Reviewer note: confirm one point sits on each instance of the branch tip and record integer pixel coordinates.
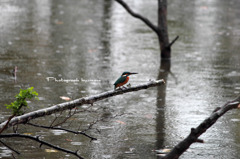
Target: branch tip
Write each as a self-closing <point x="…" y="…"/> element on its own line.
<point x="174" y="40"/>
<point x="200" y="141"/>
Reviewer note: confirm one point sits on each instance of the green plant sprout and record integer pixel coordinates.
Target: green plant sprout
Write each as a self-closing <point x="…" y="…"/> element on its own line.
<point x="20" y="101"/>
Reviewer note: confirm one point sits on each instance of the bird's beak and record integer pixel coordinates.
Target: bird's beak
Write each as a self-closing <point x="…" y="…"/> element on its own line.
<point x="133" y="73"/>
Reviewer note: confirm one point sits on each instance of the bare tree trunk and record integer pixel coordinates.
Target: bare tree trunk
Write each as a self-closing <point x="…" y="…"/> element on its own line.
<point x="163" y="30"/>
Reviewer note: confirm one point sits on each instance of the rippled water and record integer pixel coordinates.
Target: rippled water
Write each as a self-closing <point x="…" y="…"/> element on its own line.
<point x="97" y="40"/>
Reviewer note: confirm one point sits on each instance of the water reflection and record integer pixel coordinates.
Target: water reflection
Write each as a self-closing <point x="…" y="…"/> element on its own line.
<point x="161" y="103"/>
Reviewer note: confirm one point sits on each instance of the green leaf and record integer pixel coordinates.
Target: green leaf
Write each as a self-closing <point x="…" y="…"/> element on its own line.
<point x="20" y="101"/>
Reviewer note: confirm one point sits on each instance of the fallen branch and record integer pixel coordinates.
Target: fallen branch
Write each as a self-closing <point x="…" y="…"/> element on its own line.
<point x="40" y="141"/>
<point x="136" y="15"/>
<point x="77" y="102"/>
<point x="179" y="149"/>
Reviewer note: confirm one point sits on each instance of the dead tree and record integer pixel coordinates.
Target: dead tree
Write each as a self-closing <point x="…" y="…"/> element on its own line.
<point x="161" y="29"/>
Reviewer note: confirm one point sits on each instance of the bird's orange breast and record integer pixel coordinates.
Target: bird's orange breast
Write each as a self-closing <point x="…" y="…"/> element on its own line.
<point x="121" y="84"/>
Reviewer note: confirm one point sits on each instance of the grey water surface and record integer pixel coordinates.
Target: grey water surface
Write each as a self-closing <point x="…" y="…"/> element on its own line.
<point x="93" y="42"/>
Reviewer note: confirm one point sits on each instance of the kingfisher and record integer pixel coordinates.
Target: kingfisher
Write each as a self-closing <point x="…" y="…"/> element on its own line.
<point x="123" y="79"/>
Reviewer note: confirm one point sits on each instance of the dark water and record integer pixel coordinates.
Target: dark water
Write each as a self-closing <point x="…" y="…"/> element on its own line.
<point x="95" y="41"/>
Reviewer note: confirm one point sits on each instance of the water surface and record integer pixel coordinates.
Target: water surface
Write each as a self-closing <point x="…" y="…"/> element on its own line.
<point x="97" y="40"/>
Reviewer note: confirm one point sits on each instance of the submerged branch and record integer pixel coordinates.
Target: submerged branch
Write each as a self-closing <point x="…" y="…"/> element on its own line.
<point x="40" y="141"/>
<point x="77" y="102"/>
<point x="136" y="15"/>
<point x="179" y="149"/>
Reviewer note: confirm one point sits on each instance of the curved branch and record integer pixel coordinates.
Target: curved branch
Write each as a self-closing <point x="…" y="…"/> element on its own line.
<point x="136" y="15"/>
<point x="41" y="142"/>
<point x="77" y="102"/>
<point x="179" y="149"/>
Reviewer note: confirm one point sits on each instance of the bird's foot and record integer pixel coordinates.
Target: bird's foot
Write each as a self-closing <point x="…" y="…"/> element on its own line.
<point x="129" y="85"/>
<point x="124" y="87"/>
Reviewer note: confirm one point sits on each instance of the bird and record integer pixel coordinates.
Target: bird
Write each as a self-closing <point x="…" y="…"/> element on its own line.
<point x="123" y="79"/>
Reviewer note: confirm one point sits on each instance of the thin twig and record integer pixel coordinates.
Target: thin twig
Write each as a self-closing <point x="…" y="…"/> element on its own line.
<point x="75" y="111"/>
<point x="56" y="117"/>
<point x="67" y="130"/>
<point x="101" y="119"/>
<point x="70" y="114"/>
<point x="40" y="141"/>
<point x="15" y="128"/>
<point x="13" y="156"/>
<point x="10" y="148"/>
<point x="60" y="123"/>
<point x="6" y="125"/>
<point x="174" y="40"/>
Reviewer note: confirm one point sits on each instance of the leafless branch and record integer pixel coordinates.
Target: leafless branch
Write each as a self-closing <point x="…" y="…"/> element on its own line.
<point x="10" y="148"/>
<point x="39" y="141"/>
<point x="101" y="119"/>
<point x="174" y="40"/>
<point x="56" y="117"/>
<point x="67" y="130"/>
<point x="179" y="149"/>
<point x="136" y="15"/>
<point x="6" y="125"/>
<point x="13" y="156"/>
<point x="70" y="114"/>
<point x="78" y="102"/>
